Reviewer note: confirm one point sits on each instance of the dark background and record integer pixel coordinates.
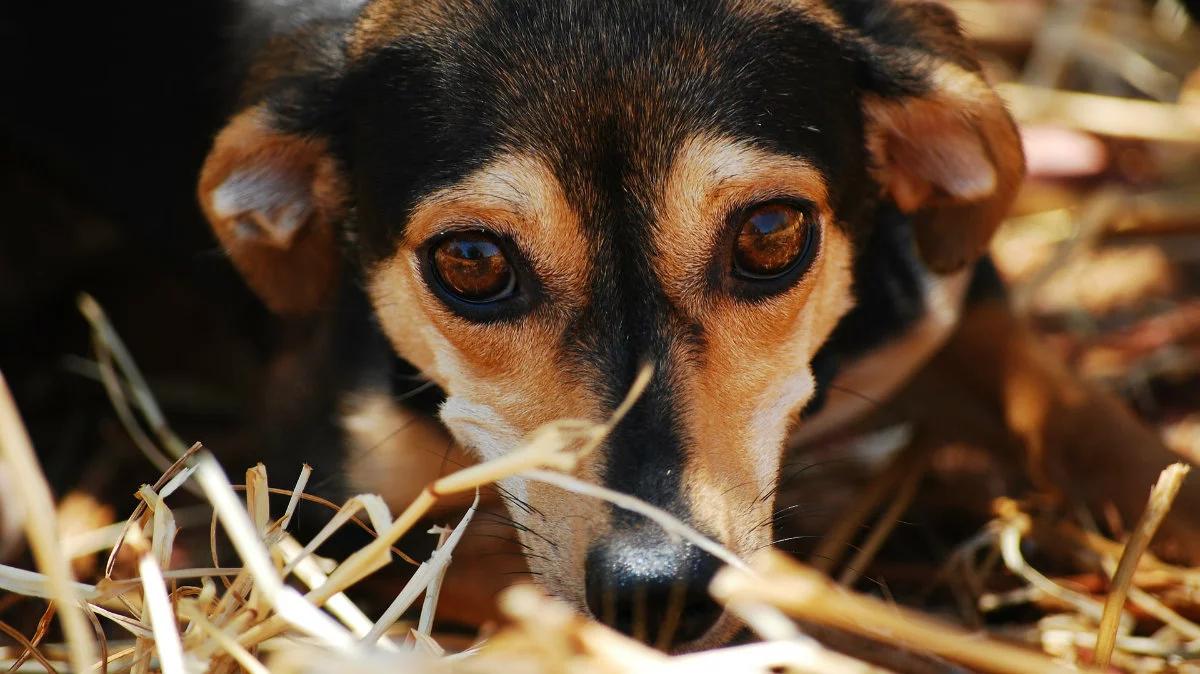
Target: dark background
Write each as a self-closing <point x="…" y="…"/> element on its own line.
<point x="108" y="110"/>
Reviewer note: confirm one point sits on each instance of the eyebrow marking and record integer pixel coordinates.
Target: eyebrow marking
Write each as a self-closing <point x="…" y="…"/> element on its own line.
<point x="710" y="176"/>
<point x="517" y="195"/>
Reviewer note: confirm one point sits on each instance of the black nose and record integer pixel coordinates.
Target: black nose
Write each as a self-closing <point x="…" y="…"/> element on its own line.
<point x="651" y="588"/>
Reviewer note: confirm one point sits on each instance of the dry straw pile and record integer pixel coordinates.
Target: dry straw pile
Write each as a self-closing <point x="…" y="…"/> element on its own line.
<point x="283" y="609"/>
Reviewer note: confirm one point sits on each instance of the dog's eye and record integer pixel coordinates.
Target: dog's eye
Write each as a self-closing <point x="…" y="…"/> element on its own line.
<point x="771" y="241"/>
<point x="473" y="267"/>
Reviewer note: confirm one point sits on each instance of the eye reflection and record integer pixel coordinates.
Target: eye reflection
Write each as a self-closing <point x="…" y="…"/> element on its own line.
<point x="474" y="268"/>
<point x="771" y="241"/>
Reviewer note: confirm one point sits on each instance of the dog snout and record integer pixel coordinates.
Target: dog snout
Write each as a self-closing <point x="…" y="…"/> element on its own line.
<point x="652" y="588"/>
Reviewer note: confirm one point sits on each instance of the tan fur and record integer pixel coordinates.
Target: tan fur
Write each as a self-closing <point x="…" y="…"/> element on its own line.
<point x="814" y="10"/>
<point x="1074" y="438"/>
<point x="753" y="374"/>
<point x="294" y="270"/>
<point x="384" y="21"/>
<point x="504" y="380"/>
<point x="517" y="197"/>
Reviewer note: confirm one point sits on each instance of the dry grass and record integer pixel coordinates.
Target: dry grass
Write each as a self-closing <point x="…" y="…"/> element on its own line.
<point x="285" y="610"/>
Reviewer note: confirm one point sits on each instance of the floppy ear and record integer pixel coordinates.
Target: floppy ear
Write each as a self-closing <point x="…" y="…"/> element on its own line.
<point x="271" y="188"/>
<point x="943" y="147"/>
<point x="274" y="200"/>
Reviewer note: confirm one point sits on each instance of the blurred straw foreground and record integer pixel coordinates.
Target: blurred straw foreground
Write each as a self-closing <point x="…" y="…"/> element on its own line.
<point x="1103" y="253"/>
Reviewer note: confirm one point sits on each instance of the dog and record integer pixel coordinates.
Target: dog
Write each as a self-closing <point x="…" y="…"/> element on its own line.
<point x="527" y="202"/>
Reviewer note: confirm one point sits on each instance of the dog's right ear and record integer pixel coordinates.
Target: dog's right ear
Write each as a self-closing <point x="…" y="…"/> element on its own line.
<point x="942" y="145"/>
<point x="271" y="188"/>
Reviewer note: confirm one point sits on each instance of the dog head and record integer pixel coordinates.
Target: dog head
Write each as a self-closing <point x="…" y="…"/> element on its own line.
<point x="541" y="197"/>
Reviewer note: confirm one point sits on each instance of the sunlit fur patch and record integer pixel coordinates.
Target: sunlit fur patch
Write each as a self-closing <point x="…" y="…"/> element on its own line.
<point x="744" y="385"/>
<point x="384" y="21"/>
<point x="953" y="153"/>
<point x="503" y="380"/>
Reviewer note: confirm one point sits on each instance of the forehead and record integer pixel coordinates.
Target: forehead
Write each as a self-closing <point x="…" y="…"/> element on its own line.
<point x="604" y="93"/>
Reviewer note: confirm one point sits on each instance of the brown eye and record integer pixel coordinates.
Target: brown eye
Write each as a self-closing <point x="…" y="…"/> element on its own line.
<point x="771" y="241"/>
<point x="473" y="267"/>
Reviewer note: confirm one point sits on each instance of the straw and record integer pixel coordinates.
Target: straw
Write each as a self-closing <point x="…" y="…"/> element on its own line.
<point x="41" y="529"/>
<point x="1161" y="497"/>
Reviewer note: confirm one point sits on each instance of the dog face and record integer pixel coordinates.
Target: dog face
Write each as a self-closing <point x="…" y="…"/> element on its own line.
<point x="540" y="198"/>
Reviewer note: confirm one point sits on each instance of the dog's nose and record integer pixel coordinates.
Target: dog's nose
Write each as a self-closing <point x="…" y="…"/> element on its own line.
<point x="652" y="588"/>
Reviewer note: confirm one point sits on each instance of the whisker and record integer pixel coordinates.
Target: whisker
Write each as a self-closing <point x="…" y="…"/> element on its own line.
<point x="446" y="458"/>
<point x="856" y="394"/>
<point x="513" y="553"/>
<point x="501" y="517"/>
<point x="785" y="478"/>
<point x="509" y="497"/>
<point x="673" y="615"/>
<point x="737" y="486"/>
<point x="418" y="390"/>
<point x="783" y="514"/>
<point x="504" y="521"/>
<point x="324" y="482"/>
<point x="789" y="539"/>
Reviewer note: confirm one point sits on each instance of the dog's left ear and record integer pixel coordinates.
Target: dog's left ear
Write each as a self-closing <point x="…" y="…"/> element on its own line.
<point x="271" y="187"/>
<point x="274" y="199"/>
<point x="943" y="147"/>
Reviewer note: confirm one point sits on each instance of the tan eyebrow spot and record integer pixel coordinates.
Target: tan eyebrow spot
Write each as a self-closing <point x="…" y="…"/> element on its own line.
<point x="711" y="176"/>
<point x="517" y="196"/>
<point x="743" y="384"/>
<point x="514" y="368"/>
<point x="384" y="21"/>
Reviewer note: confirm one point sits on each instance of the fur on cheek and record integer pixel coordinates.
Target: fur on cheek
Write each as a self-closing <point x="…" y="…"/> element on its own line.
<point x="479" y="428"/>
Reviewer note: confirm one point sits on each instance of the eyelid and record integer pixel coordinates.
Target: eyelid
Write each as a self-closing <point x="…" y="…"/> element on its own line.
<point x="436" y="217"/>
<point x="736" y="215"/>
<point x="721" y="265"/>
<point x="802" y="204"/>
<point x="528" y="288"/>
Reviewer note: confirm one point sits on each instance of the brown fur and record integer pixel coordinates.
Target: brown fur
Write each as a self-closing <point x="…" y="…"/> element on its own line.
<point x="384" y="21"/>
<point x="1075" y="440"/>
<point x="750" y="350"/>
<point x="954" y="159"/>
<point x="509" y="377"/>
<point x="295" y="271"/>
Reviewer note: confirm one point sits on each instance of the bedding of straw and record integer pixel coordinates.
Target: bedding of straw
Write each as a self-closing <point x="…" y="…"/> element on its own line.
<point x="285" y="610"/>
<point x="1102" y="253"/>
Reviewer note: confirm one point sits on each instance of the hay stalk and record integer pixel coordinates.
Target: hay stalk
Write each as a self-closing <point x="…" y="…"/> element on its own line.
<point x="41" y="529"/>
<point x="1161" y="497"/>
<point x="803" y="592"/>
